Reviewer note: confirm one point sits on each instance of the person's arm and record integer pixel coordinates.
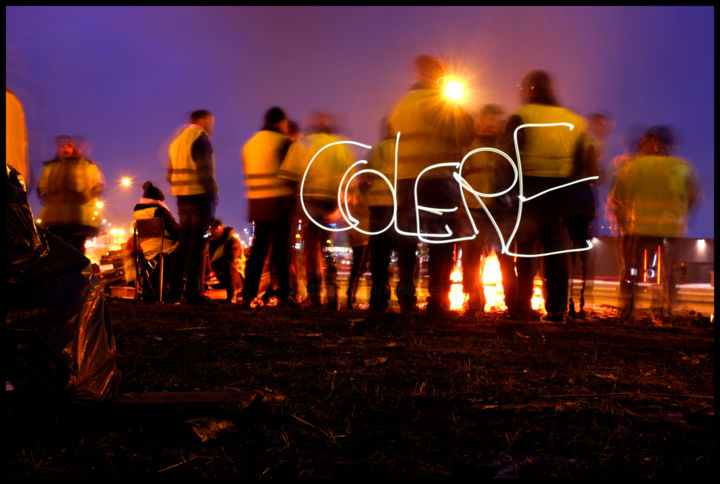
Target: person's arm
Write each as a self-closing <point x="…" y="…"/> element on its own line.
<point x="171" y="225"/>
<point x="201" y="152"/>
<point x="508" y="144"/>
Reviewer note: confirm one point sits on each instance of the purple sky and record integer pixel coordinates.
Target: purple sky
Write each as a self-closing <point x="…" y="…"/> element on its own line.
<point x="126" y="77"/>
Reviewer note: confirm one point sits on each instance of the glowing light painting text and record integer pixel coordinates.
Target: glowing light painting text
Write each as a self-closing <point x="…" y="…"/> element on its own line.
<point x="463" y="186"/>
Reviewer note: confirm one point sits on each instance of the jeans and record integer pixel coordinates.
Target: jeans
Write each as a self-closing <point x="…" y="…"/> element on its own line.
<point x="194" y="215"/>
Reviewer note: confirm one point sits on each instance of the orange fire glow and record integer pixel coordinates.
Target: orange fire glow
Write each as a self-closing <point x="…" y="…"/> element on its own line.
<point x="492" y="285"/>
<point x="457" y="296"/>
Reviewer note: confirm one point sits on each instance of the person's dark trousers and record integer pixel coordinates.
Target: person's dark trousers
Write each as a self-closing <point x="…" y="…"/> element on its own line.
<point x="381" y="246"/>
<point x="581" y="263"/>
<point x="194" y="215"/>
<point x="634" y="247"/>
<point x="439" y="271"/>
<point x="541" y="230"/>
<point x="74" y="235"/>
<point x="472" y="254"/>
<point x="360" y="258"/>
<point x="277" y="235"/>
<point x="314" y="239"/>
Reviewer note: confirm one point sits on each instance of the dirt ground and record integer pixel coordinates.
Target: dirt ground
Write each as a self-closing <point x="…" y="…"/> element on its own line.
<point x="309" y="393"/>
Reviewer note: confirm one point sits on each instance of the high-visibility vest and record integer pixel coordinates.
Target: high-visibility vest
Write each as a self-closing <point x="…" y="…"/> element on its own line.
<point x="261" y="158"/>
<point x="69" y="190"/>
<point x="325" y="174"/>
<point x="549" y="152"/>
<point x="382" y="159"/>
<point x="432" y="130"/>
<point x="652" y="193"/>
<point x="151" y="246"/>
<point x="183" y="173"/>
<point x="16" y="142"/>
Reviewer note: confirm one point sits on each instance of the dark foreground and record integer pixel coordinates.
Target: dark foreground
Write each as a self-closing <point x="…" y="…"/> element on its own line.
<point x="294" y="393"/>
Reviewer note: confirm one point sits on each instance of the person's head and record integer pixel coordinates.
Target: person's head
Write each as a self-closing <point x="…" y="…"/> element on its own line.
<point x="204" y="119"/>
<point x="317" y="122"/>
<point x="293" y="130"/>
<point x="599" y="125"/>
<point x="657" y="140"/>
<point x="65" y="147"/>
<point x="216" y="228"/>
<point x="490" y="121"/>
<point x="276" y="118"/>
<point x="537" y="87"/>
<point x="152" y="192"/>
<point x="429" y="69"/>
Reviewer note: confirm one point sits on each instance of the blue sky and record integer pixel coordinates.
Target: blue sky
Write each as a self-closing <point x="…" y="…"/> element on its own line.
<point x="125" y="78"/>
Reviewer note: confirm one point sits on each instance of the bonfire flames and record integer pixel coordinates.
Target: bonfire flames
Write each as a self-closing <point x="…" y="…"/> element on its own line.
<point x="493" y="288"/>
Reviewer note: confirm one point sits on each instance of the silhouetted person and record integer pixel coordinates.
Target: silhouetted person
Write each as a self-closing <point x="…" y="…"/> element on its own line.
<point x="69" y="188"/>
<point x="191" y="174"/>
<point x="652" y="197"/>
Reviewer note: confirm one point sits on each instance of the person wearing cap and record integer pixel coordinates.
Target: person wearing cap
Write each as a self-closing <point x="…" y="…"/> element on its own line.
<point x="319" y="198"/>
<point x="191" y="173"/>
<point x="271" y="203"/>
<point x="548" y="157"/>
<point x="433" y="129"/>
<point x="70" y="186"/>
<point x="651" y="199"/>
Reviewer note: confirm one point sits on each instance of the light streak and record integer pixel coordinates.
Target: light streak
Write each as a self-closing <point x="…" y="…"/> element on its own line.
<point x="463" y="186"/>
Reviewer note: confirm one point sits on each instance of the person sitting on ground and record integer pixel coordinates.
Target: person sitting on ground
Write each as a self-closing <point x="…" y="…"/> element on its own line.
<point x="227" y="258"/>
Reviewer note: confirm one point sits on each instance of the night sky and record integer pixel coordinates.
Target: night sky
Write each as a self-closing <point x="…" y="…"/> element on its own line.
<point x="125" y="78"/>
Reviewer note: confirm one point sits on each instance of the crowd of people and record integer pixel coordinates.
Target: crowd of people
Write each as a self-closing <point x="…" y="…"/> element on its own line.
<point x="422" y="140"/>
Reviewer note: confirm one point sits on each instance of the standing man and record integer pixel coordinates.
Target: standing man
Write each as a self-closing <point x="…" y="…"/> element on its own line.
<point x="271" y="204"/>
<point x="548" y="157"/>
<point x="434" y="129"/>
<point x="320" y="197"/>
<point x="69" y="188"/>
<point x="192" y="176"/>
<point x="651" y="199"/>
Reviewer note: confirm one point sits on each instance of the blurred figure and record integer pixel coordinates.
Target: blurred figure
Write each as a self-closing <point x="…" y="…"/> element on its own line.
<point x="582" y="208"/>
<point x="486" y="172"/>
<point x="271" y="206"/>
<point x="16" y="141"/>
<point x="358" y="205"/>
<point x="381" y="207"/>
<point x="227" y="258"/>
<point x="651" y="199"/>
<point x="191" y="174"/>
<point x="320" y="199"/>
<point x="434" y="129"/>
<point x="548" y="157"/>
<point x="69" y="188"/>
<point x="152" y="205"/>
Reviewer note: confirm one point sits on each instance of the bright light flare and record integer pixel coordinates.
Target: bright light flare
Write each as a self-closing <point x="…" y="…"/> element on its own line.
<point x="126" y="182"/>
<point x="454" y="90"/>
<point x="492" y="284"/>
<point x="99" y="204"/>
<point x="457" y="296"/>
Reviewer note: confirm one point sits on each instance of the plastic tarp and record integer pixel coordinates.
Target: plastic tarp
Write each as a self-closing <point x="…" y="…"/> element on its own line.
<point x="52" y="292"/>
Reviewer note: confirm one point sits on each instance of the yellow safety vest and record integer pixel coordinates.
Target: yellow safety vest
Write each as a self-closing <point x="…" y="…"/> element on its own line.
<point x="652" y="194"/>
<point x="481" y="173"/>
<point x="151" y="246"/>
<point x="550" y="151"/>
<point x="326" y="172"/>
<point x="432" y="130"/>
<point x="261" y="159"/>
<point x="382" y="159"/>
<point x="69" y="190"/>
<point x="183" y="174"/>
<point x="16" y="142"/>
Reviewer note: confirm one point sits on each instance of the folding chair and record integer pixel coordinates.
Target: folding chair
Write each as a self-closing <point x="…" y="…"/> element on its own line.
<point x="149" y="228"/>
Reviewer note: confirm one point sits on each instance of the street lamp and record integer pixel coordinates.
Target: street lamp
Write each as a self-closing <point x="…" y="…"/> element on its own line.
<point x="126" y="182"/>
